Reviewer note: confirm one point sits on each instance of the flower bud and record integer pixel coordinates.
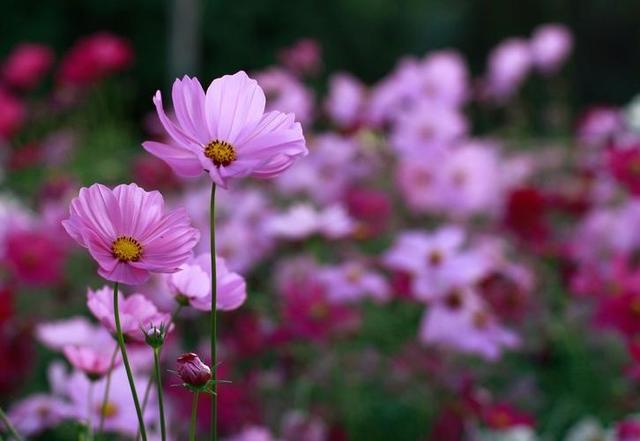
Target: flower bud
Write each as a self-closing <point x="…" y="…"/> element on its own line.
<point x="154" y="335"/>
<point x="192" y="370"/>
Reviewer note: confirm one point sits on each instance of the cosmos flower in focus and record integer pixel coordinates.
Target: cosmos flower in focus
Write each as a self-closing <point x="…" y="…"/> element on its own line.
<point x="128" y="233"/>
<point x="226" y="131"/>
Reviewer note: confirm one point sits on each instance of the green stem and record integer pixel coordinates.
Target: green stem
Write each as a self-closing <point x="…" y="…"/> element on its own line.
<point x="90" y="411"/>
<point x="7" y="424"/>
<point x="125" y="361"/>
<point x="156" y="364"/>
<point x="194" y="412"/>
<point x="147" y="390"/>
<point x="214" y="397"/>
<point x="107" y="386"/>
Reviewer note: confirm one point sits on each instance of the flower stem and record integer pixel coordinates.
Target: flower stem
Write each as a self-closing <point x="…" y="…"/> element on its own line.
<point x="90" y="411"/>
<point x="147" y="389"/>
<point x="194" y="413"/>
<point x="7" y="424"/>
<point x="107" y="386"/>
<point x="214" y="396"/>
<point x="156" y="364"/>
<point x="125" y="361"/>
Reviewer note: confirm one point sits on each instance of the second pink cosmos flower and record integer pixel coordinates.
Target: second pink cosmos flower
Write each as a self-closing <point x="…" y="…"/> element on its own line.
<point x="128" y="233"/>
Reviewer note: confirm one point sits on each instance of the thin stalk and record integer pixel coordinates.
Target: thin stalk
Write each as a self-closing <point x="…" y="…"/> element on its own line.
<point x="156" y="364"/>
<point x="107" y="386"/>
<point x="194" y="412"/>
<point x="147" y="389"/>
<point x="90" y="410"/>
<point x="214" y="396"/>
<point x="7" y="424"/>
<point x="125" y="361"/>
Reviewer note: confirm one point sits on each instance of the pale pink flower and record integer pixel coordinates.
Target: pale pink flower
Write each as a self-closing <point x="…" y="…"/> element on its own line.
<point x="92" y="362"/>
<point x="509" y="64"/>
<point x="443" y="79"/>
<point x="136" y="312"/>
<point x="253" y="433"/>
<point x="461" y="322"/>
<point x="192" y="285"/>
<point x="346" y="100"/>
<point x="128" y="233"/>
<point x="302" y="57"/>
<point x="353" y="281"/>
<point x="303" y="220"/>
<point x="39" y="412"/>
<point x="551" y="44"/>
<point x="226" y="131"/>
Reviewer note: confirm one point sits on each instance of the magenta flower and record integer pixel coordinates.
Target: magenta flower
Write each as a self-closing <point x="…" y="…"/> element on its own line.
<point x="137" y="313"/>
<point x="128" y="233"/>
<point x="226" y="131"/>
<point x="27" y="63"/>
<point x="192" y="370"/>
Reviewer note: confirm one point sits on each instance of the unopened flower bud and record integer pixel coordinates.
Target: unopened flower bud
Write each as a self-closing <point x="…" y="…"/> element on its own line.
<point x="154" y="335"/>
<point x="193" y="371"/>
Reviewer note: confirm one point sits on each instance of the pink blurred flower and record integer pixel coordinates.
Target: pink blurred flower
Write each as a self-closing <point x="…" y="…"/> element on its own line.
<point x="34" y="257"/>
<point x="95" y="57"/>
<point x="153" y="173"/>
<point x="12" y="114"/>
<point x="599" y="125"/>
<point x="128" y="233"/>
<point x="95" y="364"/>
<point x="371" y="208"/>
<point x="285" y="93"/>
<point x="427" y="129"/>
<point x="39" y="412"/>
<point x="25" y="66"/>
<point x="226" y="132"/>
<point x="75" y="331"/>
<point x="345" y="103"/>
<point x="137" y="313"/>
<point x="297" y="425"/>
<point x="460" y="322"/>
<point x="192" y="285"/>
<point x="627" y="430"/>
<point x="624" y="164"/>
<point x="352" y="281"/>
<point x="253" y="433"/>
<point x="303" y="220"/>
<point x="303" y="57"/>
<point x="551" y="44"/>
<point x="509" y="64"/>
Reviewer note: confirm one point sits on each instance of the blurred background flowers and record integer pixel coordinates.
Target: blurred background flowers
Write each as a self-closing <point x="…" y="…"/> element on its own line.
<point x="455" y="259"/>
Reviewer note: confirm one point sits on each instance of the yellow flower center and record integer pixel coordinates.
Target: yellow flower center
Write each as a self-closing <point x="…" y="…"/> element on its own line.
<point x="126" y="249"/>
<point x="221" y="153"/>
<point x="108" y="410"/>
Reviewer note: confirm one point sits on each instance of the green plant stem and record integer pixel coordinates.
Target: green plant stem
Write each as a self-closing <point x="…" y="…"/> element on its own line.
<point x="156" y="364"/>
<point x="7" y="424"/>
<point x="90" y="411"/>
<point x="214" y="397"/>
<point x="125" y="361"/>
<point x="194" y="413"/>
<point x="147" y="390"/>
<point x="107" y="386"/>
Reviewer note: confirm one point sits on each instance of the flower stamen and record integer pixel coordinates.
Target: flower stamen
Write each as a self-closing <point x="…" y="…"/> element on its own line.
<point x="221" y="153"/>
<point x="126" y="249"/>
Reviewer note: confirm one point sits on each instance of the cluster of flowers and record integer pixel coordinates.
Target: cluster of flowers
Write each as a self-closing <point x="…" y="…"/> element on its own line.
<point x="400" y="248"/>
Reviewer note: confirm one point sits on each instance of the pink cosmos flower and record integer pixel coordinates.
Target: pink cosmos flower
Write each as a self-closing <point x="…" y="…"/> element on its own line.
<point x="95" y="57"/>
<point x="352" y="281"/>
<point x="128" y="233"/>
<point x="346" y="100"/>
<point x="302" y="57"/>
<point x="303" y="220"/>
<point x="462" y="323"/>
<point x="509" y="65"/>
<point x="39" y="412"/>
<point x="136" y="312"/>
<point x="26" y="65"/>
<point x="192" y="285"/>
<point x="93" y="363"/>
<point x="551" y="45"/>
<point x="226" y="131"/>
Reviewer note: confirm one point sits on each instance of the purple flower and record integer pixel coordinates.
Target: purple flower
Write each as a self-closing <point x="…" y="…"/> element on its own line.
<point x="551" y="44"/>
<point x="192" y="370"/>
<point x="226" y="131"/>
<point x="128" y="233"/>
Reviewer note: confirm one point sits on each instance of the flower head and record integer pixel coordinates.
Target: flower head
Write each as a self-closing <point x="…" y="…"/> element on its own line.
<point x="128" y="233"/>
<point x="192" y="370"/>
<point x="226" y="131"/>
